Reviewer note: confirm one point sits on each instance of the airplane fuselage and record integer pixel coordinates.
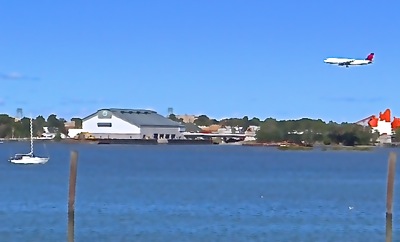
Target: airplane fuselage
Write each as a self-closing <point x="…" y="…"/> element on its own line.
<point x="350" y="62"/>
<point x="346" y="61"/>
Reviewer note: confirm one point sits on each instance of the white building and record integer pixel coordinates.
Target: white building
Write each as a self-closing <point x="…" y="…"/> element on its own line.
<point x="131" y="124"/>
<point x="187" y="118"/>
<point x="383" y="127"/>
<point x="47" y="134"/>
<point x="251" y="132"/>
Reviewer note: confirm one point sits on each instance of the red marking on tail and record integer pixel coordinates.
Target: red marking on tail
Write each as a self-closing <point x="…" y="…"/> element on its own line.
<point x="370" y="57"/>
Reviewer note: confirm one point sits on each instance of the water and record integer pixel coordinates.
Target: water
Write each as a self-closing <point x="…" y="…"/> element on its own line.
<point x="197" y="193"/>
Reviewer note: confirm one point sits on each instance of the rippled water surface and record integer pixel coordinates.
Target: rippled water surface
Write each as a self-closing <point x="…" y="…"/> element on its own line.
<point x="197" y="193"/>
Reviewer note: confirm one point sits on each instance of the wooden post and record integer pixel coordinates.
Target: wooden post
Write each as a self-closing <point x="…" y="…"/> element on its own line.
<point x="389" y="195"/>
<point x="71" y="196"/>
<point x="72" y="182"/>
<point x="71" y="227"/>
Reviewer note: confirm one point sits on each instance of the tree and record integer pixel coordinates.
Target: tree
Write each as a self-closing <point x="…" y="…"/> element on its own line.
<point x="269" y="131"/>
<point x="397" y="134"/>
<point x="38" y="125"/>
<point x="245" y="122"/>
<point x="57" y="137"/>
<point x="40" y="121"/>
<point x="6" y="127"/>
<point x="264" y="135"/>
<point x="349" y="139"/>
<point x="203" y="120"/>
<point x="5" y="119"/>
<point x="333" y="137"/>
<point x="52" y="121"/>
<point x="254" y="121"/>
<point x="326" y="141"/>
<point x="5" y="130"/>
<point x="308" y="137"/>
<point x="365" y="135"/>
<point x="174" y="118"/>
<point x="293" y="138"/>
<point x="22" y="128"/>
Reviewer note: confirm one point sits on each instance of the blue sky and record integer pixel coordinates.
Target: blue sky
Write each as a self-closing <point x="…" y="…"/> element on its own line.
<point x="219" y="58"/>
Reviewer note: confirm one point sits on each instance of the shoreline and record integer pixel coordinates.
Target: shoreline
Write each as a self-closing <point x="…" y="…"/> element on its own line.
<point x="279" y="145"/>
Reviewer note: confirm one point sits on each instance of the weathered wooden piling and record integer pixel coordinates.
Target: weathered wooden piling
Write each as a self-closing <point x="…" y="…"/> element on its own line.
<point x="389" y="195"/>
<point x="71" y="227"/>
<point x="71" y="196"/>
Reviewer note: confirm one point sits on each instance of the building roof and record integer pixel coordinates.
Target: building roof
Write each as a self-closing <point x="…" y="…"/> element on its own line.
<point x="191" y="127"/>
<point x="139" y="117"/>
<point x="364" y="122"/>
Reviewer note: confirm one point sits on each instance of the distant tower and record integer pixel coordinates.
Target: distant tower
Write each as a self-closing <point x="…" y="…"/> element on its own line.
<point x="19" y="115"/>
<point x="170" y="111"/>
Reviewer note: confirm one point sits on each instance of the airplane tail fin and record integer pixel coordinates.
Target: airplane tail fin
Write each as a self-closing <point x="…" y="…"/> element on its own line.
<point x="370" y="57"/>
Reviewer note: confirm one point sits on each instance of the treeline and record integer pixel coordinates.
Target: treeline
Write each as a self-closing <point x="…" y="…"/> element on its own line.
<point x="12" y="128"/>
<point x="204" y="120"/>
<point x="271" y="130"/>
<point x="310" y="131"/>
<point x="304" y="130"/>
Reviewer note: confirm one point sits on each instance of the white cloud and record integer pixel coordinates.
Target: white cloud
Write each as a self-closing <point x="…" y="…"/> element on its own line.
<point x="16" y="76"/>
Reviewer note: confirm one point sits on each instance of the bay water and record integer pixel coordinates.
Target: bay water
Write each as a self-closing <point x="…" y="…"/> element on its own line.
<point x="197" y="193"/>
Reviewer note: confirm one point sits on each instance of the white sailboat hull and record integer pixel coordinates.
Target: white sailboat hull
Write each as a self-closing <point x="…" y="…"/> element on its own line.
<point x="29" y="160"/>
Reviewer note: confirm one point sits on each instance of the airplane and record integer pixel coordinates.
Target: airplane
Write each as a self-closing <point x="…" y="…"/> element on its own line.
<point x="353" y="62"/>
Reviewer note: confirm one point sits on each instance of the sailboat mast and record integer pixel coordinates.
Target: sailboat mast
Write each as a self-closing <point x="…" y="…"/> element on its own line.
<point x="31" y="127"/>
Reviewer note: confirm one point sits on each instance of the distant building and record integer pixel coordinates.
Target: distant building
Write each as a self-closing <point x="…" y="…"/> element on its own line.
<point x="131" y="124"/>
<point x="50" y="133"/>
<point x="192" y="128"/>
<point x="382" y="124"/>
<point x="251" y="132"/>
<point x="210" y="129"/>
<point x="69" y="125"/>
<point x="187" y="118"/>
<point x="364" y="122"/>
<point x="384" y="139"/>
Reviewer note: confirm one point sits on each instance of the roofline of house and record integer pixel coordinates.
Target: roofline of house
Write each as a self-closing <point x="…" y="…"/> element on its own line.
<point x="132" y="110"/>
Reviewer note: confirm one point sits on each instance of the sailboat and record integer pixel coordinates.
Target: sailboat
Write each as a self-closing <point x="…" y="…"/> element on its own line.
<point x="28" y="158"/>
